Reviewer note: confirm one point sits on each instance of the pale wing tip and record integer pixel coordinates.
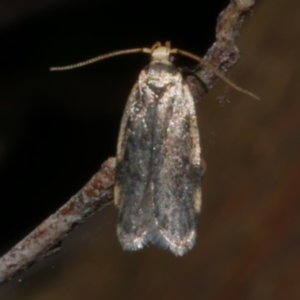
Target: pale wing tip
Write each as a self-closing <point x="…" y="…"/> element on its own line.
<point x="131" y="241"/>
<point x="178" y="246"/>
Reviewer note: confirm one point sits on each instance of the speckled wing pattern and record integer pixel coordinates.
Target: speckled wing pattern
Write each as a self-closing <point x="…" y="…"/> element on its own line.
<point x="158" y="172"/>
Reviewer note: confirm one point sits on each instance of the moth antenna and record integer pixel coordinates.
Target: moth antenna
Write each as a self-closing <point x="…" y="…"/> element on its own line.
<point x="98" y="58"/>
<point x="218" y="73"/>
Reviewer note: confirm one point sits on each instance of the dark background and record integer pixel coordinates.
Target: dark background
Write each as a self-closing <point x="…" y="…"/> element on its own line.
<point x="57" y="128"/>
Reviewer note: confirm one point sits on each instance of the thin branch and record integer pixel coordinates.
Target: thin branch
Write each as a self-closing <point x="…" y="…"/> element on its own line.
<point x="98" y="191"/>
<point x="224" y="53"/>
<point x="92" y="197"/>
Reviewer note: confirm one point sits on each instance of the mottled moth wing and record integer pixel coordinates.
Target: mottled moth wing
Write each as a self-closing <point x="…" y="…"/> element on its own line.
<point x="176" y="170"/>
<point x="158" y="169"/>
<point x="132" y="171"/>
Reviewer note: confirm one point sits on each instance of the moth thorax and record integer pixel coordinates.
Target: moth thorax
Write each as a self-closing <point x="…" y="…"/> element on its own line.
<point x="161" y="54"/>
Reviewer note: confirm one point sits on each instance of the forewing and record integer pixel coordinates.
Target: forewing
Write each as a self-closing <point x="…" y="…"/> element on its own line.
<point x="132" y="170"/>
<point x="176" y="171"/>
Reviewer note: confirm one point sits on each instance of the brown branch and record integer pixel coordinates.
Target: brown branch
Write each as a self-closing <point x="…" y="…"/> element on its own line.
<point x="98" y="191"/>
<point x="224" y="53"/>
<point x="92" y="197"/>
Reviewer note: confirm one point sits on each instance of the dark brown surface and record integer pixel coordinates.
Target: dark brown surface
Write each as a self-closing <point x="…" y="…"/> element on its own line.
<point x="249" y="232"/>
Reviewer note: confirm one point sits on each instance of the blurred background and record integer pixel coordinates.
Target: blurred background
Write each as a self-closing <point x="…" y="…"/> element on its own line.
<point x="57" y="128"/>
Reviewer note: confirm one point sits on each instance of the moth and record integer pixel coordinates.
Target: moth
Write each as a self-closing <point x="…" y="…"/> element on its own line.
<point x="158" y="165"/>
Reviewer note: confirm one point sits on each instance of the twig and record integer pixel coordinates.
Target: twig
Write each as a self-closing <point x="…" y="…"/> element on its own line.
<point x="92" y="197"/>
<point x="98" y="191"/>
<point x="224" y="53"/>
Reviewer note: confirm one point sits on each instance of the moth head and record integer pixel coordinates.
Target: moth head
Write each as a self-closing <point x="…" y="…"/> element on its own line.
<point x="161" y="54"/>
